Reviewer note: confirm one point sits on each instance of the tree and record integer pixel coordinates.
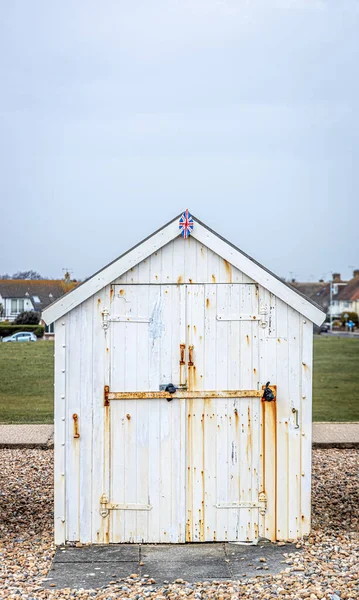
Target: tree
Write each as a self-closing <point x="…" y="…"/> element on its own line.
<point x="352" y="316"/>
<point x="28" y="317"/>
<point x="27" y="275"/>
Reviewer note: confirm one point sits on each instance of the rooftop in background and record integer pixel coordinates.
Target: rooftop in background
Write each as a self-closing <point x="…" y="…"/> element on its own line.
<point x="41" y="292"/>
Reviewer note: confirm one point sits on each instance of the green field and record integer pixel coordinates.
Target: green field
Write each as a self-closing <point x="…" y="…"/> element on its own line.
<point x="336" y="379"/>
<point x="26" y="381"/>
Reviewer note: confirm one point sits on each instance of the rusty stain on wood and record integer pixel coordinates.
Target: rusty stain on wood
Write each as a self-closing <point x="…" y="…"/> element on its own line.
<point x="213" y="278"/>
<point x="180" y="279"/>
<point x="122" y="292"/>
<point x="207" y="303"/>
<point x="112" y="291"/>
<point x="128" y="417"/>
<point x="228" y="269"/>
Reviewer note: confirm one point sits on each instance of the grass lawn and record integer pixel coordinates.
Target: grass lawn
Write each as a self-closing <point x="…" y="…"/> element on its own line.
<point x="26" y="381"/>
<point x="336" y="379"/>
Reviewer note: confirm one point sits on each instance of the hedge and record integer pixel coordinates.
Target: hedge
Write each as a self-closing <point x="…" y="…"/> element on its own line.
<point x="7" y="329"/>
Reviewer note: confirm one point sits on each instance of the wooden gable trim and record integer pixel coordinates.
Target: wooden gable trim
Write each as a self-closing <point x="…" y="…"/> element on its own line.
<point x="159" y="239"/>
<point x="258" y="273"/>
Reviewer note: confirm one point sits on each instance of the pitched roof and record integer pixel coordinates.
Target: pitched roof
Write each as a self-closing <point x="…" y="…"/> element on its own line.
<point x="41" y="288"/>
<point x="350" y="291"/>
<point x="205" y="236"/>
<point x="318" y="292"/>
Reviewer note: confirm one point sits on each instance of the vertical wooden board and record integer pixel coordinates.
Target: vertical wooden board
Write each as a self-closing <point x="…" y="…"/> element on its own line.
<point x="166" y="275"/>
<point x="234" y="436"/>
<point x="222" y="411"/>
<point x="178" y="259"/>
<point x="85" y="421"/>
<point x="212" y="267"/>
<point x="282" y="420"/>
<point x="156" y="267"/>
<point x="190" y="258"/>
<point x="60" y="431"/>
<point x="294" y="477"/>
<point x="144" y="271"/>
<point x="210" y="411"/>
<point x="73" y="385"/>
<point x="118" y="413"/>
<point x="197" y="440"/>
<point x="100" y="479"/>
<point x="177" y="526"/>
<point x="306" y="424"/>
<point x="202" y="259"/>
<point x="167" y="468"/>
<point x="142" y="415"/>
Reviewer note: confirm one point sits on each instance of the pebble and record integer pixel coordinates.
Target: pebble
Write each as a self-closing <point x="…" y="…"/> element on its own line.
<point x="327" y="567"/>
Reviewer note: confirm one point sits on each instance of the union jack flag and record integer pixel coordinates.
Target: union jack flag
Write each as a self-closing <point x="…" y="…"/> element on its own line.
<point x="186" y="224"/>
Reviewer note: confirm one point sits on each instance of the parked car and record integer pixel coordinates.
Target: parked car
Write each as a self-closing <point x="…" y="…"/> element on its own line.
<point x="324" y="328"/>
<point x="21" y="336"/>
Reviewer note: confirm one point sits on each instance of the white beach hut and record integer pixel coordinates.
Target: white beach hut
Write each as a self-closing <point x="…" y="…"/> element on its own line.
<point x="163" y="431"/>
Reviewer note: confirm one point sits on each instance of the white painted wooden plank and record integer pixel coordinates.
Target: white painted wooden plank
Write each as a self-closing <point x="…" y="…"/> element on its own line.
<point x="197" y="440"/>
<point x="210" y="447"/>
<point x="282" y="420"/>
<point x="73" y="350"/>
<point x="190" y="260"/>
<point x="100" y="301"/>
<point x="294" y="442"/>
<point x="143" y="408"/>
<point x="85" y="421"/>
<point x="222" y="466"/>
<point x="268" y="372"/>
<point x="178" y="259"/>
<point x="60" y="431"/>
<point x="306" y="424"/>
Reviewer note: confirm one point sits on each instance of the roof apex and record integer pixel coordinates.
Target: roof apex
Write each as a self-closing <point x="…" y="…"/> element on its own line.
<point x="204" y="235"/>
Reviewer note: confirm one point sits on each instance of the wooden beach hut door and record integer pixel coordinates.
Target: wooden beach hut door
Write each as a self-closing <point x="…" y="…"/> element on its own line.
<point x="187" y="469"/>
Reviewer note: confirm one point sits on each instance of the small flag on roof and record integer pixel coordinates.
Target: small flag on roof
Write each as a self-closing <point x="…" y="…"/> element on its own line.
<point x="186" y="224"/>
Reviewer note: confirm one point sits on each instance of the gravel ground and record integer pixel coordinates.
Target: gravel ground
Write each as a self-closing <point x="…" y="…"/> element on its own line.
<point x="327" y="567"/>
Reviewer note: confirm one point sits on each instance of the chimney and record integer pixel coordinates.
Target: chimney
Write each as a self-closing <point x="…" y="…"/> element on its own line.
<point x="336" y="277"/>
<point x="356" y="273"/>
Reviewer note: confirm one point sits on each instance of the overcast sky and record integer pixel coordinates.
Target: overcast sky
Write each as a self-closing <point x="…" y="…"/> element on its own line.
<point x="117" y="115"/>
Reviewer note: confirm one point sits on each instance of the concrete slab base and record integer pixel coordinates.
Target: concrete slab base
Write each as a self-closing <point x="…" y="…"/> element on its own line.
<point x="92" y="567"/>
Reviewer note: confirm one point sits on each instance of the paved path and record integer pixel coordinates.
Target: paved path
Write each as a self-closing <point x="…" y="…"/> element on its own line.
<point x="95" y="566"/>
<point x="325" y="435"/>
<point x="336" y="435"/>
<point x="26" y="436"/>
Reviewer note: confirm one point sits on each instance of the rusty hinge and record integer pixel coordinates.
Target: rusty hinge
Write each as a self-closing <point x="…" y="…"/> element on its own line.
<point x="106" y="392"/>
<point x="76" y="425"/>
<point x="106" y="506"/>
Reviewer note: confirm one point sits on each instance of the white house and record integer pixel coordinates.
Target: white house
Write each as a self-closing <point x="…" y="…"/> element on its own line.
<point x="18" y="295"/>
<point x="206" y="458"/>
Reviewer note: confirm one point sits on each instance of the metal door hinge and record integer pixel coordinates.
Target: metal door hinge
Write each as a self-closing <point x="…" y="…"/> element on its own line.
<point x="262" y="501"/>
<point x="261" y="504"/>
<point x="106" y="506"/>
<point x="105" y="319"/>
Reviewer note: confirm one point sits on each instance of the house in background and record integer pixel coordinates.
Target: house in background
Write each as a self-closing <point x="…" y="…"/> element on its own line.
<point x="344" y="297"/>
<point x="18" y="295"/>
